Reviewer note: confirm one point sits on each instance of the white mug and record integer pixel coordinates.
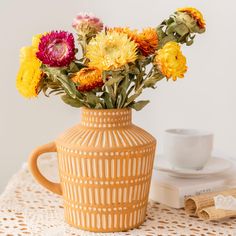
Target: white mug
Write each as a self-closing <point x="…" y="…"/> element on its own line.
<point x="187" y="148"/>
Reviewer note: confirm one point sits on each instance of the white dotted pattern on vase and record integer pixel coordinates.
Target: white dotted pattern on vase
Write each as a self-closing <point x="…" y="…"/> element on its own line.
<point x="26" y="208"/>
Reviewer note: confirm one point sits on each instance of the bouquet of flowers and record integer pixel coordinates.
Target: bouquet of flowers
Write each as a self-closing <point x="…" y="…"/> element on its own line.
<point x="115" y="64"/>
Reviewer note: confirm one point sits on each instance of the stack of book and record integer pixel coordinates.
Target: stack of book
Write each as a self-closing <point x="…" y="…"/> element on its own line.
<point x="172" y="191"/>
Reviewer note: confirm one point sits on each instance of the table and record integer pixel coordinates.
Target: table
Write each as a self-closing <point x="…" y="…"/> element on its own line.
<point x="26" y="208"/>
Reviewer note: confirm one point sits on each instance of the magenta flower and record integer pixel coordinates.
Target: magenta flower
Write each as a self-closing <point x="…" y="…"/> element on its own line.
<point x="56" y="49"/>
<point x="87" y="24"/>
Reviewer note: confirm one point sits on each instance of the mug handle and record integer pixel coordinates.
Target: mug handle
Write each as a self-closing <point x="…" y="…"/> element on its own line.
<point x="33" y="166"/>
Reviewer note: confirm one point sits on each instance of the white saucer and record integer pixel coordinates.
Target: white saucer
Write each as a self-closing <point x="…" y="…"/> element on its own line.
<point x="215" y="165"/>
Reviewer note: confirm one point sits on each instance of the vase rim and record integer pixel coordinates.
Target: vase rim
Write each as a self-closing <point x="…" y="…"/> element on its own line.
<point x="104" y="110"/>
<point x="106" y="118"/>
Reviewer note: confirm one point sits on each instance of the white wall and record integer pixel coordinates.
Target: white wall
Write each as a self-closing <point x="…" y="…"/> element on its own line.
<point x="204" y="99"/>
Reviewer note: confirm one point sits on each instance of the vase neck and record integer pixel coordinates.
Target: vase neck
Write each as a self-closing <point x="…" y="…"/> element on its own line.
<point x="106" y="118"/>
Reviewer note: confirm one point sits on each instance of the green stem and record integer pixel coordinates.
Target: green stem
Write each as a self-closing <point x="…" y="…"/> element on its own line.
<point x="149" y="73"/>
<point x="115" y="92"/>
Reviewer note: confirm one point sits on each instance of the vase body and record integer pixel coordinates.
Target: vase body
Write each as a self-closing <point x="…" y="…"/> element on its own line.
<point x="105" y="167"/>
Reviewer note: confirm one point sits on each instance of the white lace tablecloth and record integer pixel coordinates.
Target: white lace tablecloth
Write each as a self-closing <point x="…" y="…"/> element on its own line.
<point x="26" y="208"/>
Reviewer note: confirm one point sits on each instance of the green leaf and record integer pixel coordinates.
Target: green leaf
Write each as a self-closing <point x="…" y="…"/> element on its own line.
<point x="73" y="68"/>
<point x="130" y="89"/>
<point x="107" y="100"/>
<point x="181" y="29"/>
<point x="55" y="91"/>
<point x="151" y="81"/>
<point x="72" y="102"/>
<point x="125" y="83"/>
<point x="110" y="91"/>
<point x="192" y="36"/>
<point x="98" y="106"/>
<point x="167" y="39"/>
<point x="139" y="105"/>
<point x="119" y="100"/>
<point x="132" y="98"/>
<point x="45" y="88"/>
<point x="171" y="28"/>
<point x="59" y="74"/>
<point x="113" y="80"/>
<point x="92" y="99"/>
<point x="161" y="34"/>
<point x="68" y="85"/>
<point x="189" y="42"/>
<point x="122" y="92"/>
<point x="134" y="70"/>
<point x="170" y="20"/>
<point x="59" y="93"/>
<point x="79" y="65"/>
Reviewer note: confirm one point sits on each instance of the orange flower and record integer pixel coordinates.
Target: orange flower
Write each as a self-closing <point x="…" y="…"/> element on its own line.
<point x="132" y="34"/>
<point x="88" y="79"/>
<point x="195" y="14"/>
<point x="147" y="40"/>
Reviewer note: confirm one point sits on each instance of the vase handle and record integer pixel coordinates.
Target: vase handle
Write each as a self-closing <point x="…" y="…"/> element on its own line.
<point x="33" y="166"/>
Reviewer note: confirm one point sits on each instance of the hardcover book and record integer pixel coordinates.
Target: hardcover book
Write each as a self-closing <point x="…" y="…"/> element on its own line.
<point x="172" y="191"/>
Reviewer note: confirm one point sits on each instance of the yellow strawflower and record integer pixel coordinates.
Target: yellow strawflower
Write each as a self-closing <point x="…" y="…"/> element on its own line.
<point x="35" y="41"/>
<point x="28" y="78"/>
<point x="171" y="61"/>
<point x="29" y="74"/>
<point x="26" y="54"/>
<point x="111" y="50"/>
<point x="195" y="14"/>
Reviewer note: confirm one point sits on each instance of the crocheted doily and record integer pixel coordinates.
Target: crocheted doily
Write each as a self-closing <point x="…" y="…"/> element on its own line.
<point x="26" y="208"/>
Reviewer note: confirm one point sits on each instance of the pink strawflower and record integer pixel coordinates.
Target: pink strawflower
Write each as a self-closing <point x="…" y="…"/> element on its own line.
<point x="56" y="49"/>
<point x="87" y="24"/>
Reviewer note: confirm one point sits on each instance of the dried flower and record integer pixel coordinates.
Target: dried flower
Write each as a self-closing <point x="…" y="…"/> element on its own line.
<point x="35" y="42"/>
<point x="146" y="41"/>
<point x="29" y="74"/>
<point x="132" y="34"/>
<point x="195" y="14"/>
<point x="87" y="24"/>
<point x="171" y="61"/>
<point x="88" y="79"/>
<point x="56" y="49"/>
<point x="29" y="52"/>
<point x="115" y="64"/>
<point x="28" y="78"/>
<point x="111" y="50"/>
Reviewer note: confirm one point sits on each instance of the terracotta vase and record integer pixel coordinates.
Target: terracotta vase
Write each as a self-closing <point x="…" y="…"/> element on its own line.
<point x="105" y="167"/>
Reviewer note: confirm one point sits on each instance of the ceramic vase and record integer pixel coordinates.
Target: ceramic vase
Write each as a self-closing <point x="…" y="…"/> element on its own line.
<point x="105" y="167"/>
